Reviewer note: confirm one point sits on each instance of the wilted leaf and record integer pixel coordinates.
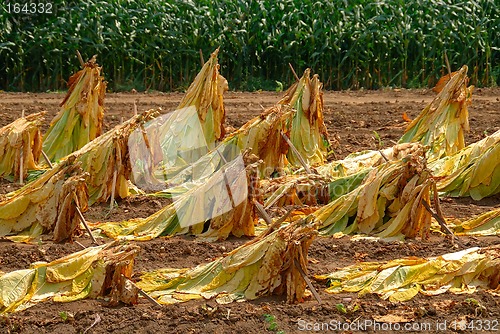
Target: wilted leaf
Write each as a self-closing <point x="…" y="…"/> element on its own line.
<point x="443" y="122"/>
<point x="81" y="116"/>
<point x="21" y="139"/>
<point x="263" y="266"/>
<point x="46" y="205"/>
<point x="401" y="279"/>
<point x="101" y="271"/>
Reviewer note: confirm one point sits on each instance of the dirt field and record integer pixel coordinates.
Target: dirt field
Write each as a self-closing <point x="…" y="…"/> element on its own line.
<point x="352" y="117"/>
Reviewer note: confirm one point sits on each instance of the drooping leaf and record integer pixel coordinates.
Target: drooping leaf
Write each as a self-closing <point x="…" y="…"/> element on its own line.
<point x="473" y="171"/>
<point x="264" y="266"/>
<point x="81" y="116"/>
<point x="101" y="271"/>
<point x="21" y="140"/>
<point x="442" y="124"/>
<point x="46" y="205"/>
<point x="386" y="204"/>
<point x="221" y="205"/>
<point x="401" y="279"/>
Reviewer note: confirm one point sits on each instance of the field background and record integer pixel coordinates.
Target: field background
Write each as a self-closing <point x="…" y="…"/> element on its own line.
<point x="351" y="117"/>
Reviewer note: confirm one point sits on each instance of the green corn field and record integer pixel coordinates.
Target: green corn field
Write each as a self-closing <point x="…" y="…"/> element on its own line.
<point x="154" y="44"/>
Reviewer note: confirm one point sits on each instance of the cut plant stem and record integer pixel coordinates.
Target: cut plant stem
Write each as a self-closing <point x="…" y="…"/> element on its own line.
<point x="297" y="153"/>
<point x="308" y="281"/>
<point x="21" y="167"/>
<point x="383" y="155"/>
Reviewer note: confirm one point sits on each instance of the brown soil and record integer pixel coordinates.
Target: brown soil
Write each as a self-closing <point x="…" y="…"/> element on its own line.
<point x="355" y="119"/>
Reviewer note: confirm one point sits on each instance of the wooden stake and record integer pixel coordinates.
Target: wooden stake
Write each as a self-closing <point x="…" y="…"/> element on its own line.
<point x="82" y="63"/>
<point x="263" y="213"/>
<point x="21" y="166"/>
<point x="142" y="293"/>
<point x="447" y="63"/>
<point x="308" y="281"/>
<point x="82" y="219"/>
<point x="47" y="159"/>
<point x="22" y="113"/>
<point x="135" y="107"/>
<point x="437" y="205"/>
<point x="113" y="190"/>
<point x="297" y="153"/>
<point x="442" y="222"/>
<point x="293" y="71"/>
<point x="201" y="58"/>
<point x="383" y="155"/>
